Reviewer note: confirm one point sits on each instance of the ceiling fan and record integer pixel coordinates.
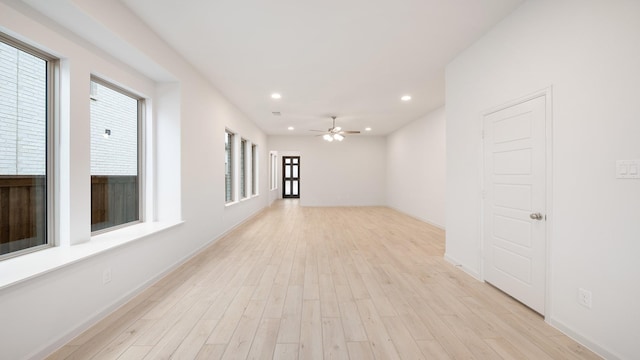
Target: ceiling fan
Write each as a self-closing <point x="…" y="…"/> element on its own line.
<point x="335" y="132"/>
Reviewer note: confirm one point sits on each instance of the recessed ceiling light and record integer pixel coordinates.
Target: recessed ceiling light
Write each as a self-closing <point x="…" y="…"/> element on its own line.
<point x="290" y="128"/>
<point x="406" y="98"/>
<point x="276" y="96"/>
<point x="367" y="129"/>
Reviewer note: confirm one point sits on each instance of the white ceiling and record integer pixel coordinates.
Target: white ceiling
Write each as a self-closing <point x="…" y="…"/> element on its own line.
<point x="349" y="58"/>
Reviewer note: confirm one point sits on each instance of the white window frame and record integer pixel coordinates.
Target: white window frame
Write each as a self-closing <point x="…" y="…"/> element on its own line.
<point x="232" y="161"/>
<point x="254" y="170"/>
<point x="273" y="160"/>
<point x="140" y="146"/>
<point x="51" y="151"/>
<point x="243" y="178"/>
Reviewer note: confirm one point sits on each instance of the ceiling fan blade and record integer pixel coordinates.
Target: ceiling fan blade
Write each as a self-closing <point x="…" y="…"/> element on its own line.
<point x="334" y="130"/>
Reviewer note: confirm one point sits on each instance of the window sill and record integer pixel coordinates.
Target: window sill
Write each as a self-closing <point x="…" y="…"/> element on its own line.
<point x="231" y="203"/>
<point x="22" y="268"/>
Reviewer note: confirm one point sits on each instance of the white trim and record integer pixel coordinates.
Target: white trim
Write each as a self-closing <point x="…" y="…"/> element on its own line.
<point x="20" y="269"/>
<point x="255" y="172"/>
<point x="141" y="160"/>
<point x="243" y="169"/>
<point x="480" y="249"/>
<point x="536" y="94"/>
<point x="586" y="342"/>
<point x="234" y="163"/>
<point x="439" y="226"/>
<point x="231" y="203"/>
<point x="100" y="315"/>
<point x="106" y="311"/>
<point x="273" y="170"/>
<point x="547" y="93"/>
<point x="51" y="172"/>
<point x="471" y="272"/>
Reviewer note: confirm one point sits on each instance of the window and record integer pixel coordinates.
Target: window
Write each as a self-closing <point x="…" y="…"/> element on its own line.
<point x="116" y="119"/>
<point x="254" y="169"/>
<point x="243" y="168"/>
<point x="228" y="166"/>
<point x="273" y="157"/>
<point x="26" y="153"/>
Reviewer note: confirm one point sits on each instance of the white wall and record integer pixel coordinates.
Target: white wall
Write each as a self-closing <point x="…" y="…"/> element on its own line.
<point x="347" y="173"/>
<point x="416" y="168"/>
<point x="589" y="52"/>
<point x="276" y="194"/>
<point x="187" y="156"/>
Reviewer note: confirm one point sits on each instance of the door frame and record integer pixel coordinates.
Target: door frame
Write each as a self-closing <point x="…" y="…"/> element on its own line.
<point x="284" y="179"/>
<point x="547" y="93"/>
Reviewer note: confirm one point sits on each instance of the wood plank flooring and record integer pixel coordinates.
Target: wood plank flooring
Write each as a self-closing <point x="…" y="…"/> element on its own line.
<point x="323" y="283"/>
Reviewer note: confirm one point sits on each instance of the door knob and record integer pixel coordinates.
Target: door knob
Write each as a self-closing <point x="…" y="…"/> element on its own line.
<point x="536" y="216"/>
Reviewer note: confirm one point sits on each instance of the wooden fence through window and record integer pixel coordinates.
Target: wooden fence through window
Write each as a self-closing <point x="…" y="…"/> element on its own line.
<point x="114" y="201"/>
<point x="22" y="212"/>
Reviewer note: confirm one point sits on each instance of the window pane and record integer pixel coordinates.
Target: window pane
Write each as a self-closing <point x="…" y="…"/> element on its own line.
<point x="114" y="158"/>
<point x="274" y="172"/>
<point x="295" y="187"/>
<point x="243" y="168"/>
<point x="228" y="166"/>
<point x="23" y="150"/>
<point x="295" y="170"/>
<point x="287" y="171"/>
<point x="254" y="170"/>
<point x="271" y="171"/>
<point x="287" y="187"/>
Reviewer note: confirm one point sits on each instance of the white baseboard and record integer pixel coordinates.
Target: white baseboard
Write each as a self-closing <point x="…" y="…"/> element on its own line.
<point x="234" y="227"/>
<point x="472" y="272"/>
<point x="106" y="311"/>
<point x="586" y="342"/>
<point x="439" y="226"/>
<point x="568" y="331"/>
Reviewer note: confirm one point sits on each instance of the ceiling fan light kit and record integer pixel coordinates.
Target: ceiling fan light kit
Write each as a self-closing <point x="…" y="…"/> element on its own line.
<point x="336" y="132"/>
<point x="330" y="137"/>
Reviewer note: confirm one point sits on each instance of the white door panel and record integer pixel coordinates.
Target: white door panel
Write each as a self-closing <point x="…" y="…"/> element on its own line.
<point x="512" y="162"/>
<point x="512" y="230"/>
<point x="514" y="265"/>
<point x="514" y="196"/>
<point x="514" y="180"/>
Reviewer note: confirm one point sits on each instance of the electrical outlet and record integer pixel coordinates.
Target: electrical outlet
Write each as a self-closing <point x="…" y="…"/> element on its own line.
<point x="584" y="297"/>
<point x="106" y="276"/>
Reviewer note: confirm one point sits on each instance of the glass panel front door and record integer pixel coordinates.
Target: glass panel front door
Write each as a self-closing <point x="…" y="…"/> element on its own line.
<point x="291" y="177"/>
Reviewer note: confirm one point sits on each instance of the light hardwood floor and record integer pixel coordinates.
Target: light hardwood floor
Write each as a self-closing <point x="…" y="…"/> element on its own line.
<point x="314" y="283"/>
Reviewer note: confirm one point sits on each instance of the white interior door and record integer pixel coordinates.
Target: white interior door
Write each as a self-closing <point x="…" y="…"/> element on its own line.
<point x="515" y="201"/>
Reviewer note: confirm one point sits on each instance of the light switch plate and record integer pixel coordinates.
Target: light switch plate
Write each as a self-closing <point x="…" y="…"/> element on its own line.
<point x="628" y="169"/>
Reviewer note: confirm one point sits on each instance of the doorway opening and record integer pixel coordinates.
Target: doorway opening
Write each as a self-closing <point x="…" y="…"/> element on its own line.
<point x="291" y="177"/>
